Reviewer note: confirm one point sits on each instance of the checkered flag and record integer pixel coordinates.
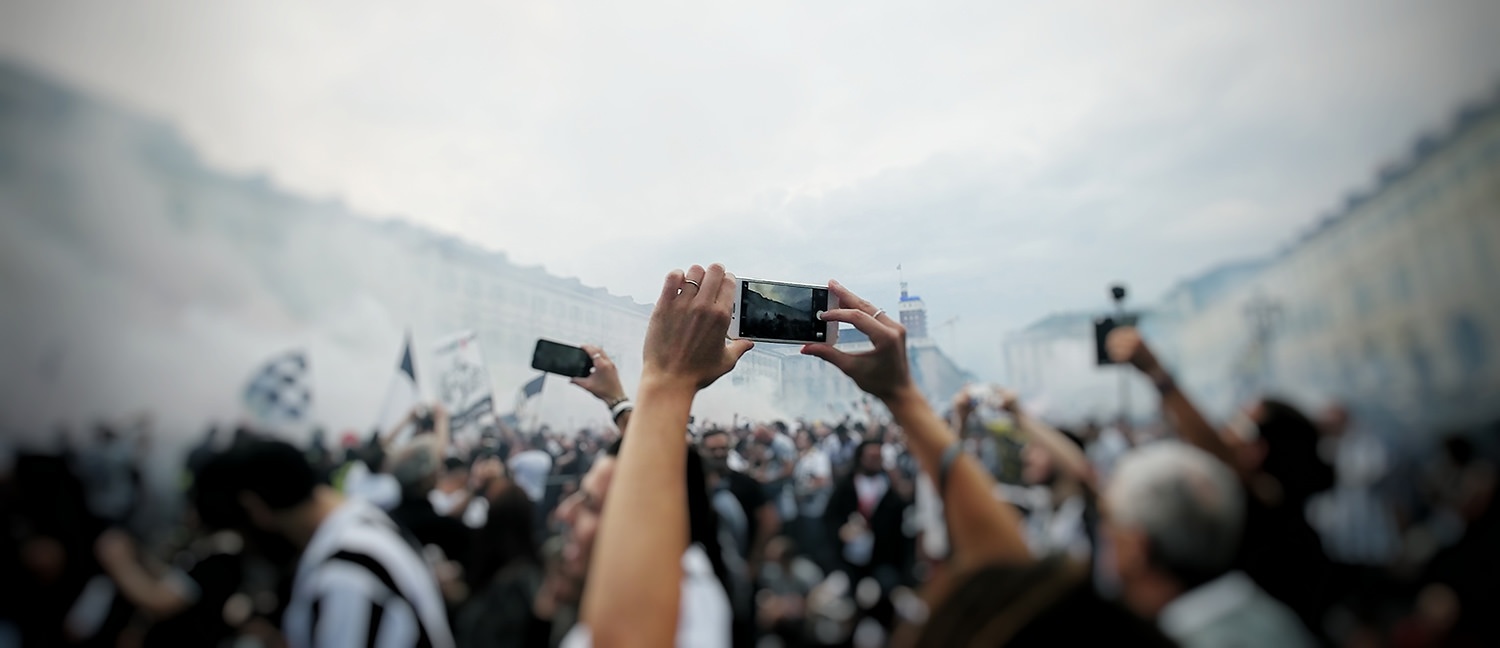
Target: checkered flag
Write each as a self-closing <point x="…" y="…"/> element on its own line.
<point x="280" y="394"/>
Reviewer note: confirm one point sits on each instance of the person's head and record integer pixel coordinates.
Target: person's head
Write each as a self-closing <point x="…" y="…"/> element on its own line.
<point x="868" y="459"/>
<point x="1037" y="464"/>
<point x="764" y="433"/>
<point x="263" y="487"/>
<point x="416" y="467"/>
<point x="582" y="511"/>
<point x="507" y="536"/>
<point x="804" y="440"/>
<point x="533" y="441"/>
<point x="455" y="474"/>
<point x="1335" y="420"/>
<point x="714" y="445"/>
<point x="1173" y="516"/>
<point x="1274" y="438"/>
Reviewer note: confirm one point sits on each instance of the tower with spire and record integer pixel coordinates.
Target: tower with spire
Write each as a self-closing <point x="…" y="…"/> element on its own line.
<point x="913" y="313"/>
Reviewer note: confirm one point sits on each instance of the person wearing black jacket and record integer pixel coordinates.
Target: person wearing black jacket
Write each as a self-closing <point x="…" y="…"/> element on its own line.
<point x="864" y="520"/>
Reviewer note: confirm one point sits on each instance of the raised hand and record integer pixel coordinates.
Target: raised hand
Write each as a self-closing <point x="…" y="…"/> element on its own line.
<point x="685" y="342"/>
<point x="883" y="372"/>
<point x="1125" y="344"/>
<point x="604" y="381"/>
<point x="1008" y="400"/>
<point x="964" y="404"/>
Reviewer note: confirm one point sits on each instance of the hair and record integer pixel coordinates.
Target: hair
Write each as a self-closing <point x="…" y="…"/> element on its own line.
<point x="415" y="467"/>
<point x="507" y="537"/>
<point x="1189" y="504"/>
<point x="703" y="522"/>
<point x="860" y="450"/>
<point x="274" y="471"/>
<point x="1292" y="455"/>
<point x="1073" y="437"/>
<point x="713" y="431"/>
<point x="1041" y="604"/>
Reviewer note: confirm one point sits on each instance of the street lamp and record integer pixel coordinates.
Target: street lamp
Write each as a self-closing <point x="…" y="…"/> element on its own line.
<point x="1117" y="293"/>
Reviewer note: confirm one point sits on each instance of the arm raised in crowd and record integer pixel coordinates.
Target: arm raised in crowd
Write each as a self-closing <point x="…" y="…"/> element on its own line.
<point x="1126" y="345"/>
<point x="982" y="530"/>
<point x="633" y="593"/>
<point x="604" y="383"/>
<point x="440" y="427"/>
<point x="1068" y="455"/>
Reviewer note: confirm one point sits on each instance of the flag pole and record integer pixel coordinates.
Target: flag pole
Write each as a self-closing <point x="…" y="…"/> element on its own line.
<point x="536" y="404"/>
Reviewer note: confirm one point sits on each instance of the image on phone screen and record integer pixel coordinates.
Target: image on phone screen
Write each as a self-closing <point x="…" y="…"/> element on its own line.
<point x="774" y="311"/>
<point x="561" y="359"/>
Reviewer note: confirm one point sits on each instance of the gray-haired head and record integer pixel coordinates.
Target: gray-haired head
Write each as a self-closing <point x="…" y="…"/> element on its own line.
<point x="415" y="467"/>
<point x="1189" y="505"/>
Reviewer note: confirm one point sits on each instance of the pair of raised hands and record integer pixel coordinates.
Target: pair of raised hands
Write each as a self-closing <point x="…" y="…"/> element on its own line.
<point x="686" y="348"/>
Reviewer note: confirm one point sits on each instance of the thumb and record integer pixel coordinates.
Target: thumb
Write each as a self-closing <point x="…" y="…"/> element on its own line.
<point x="738" y="348"/>
<point x="829" y="354"/>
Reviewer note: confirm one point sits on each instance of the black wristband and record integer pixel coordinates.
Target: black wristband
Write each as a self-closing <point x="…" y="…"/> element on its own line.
<point x="1163" y="381"/>
<point x="945" y="465"/>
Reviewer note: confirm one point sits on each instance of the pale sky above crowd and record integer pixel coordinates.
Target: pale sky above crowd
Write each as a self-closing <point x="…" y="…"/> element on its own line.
<point x="1014" y="157"/>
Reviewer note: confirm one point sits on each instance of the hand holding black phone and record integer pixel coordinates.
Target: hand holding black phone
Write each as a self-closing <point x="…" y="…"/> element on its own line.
<point x="561" y="359"/>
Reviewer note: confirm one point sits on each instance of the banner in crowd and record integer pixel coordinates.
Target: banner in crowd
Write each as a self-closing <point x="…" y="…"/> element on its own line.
<point x="462" y="383"/>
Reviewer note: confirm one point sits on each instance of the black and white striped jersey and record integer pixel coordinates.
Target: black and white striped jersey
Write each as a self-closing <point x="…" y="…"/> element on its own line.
<point x="360" y="583"/>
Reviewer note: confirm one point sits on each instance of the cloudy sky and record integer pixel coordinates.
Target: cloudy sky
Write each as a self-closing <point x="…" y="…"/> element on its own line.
<point x="1014" y="157"/>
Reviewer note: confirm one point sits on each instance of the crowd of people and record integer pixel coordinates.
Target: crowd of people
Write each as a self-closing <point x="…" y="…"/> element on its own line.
<point x="983" y="524"/>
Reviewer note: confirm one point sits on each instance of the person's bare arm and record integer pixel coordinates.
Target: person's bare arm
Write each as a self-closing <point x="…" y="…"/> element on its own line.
<point x="440" y="426"/>
<point x="768" y="525"/>
<point x="1125" y="344"/>
<point x="982" y="529"/>
<point x="604" y="383"/>
<point x="1069" y="457"/>
<point x="116" y="554"/>
<point x="390" y="435"/>
<point x="633" y="593"/>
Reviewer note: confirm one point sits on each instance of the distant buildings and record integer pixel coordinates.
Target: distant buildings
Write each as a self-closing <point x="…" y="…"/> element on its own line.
<point x="1388" y="305"/>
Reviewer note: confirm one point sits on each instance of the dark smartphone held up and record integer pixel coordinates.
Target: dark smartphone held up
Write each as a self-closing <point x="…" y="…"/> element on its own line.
<point x="561" y="359"/>
<point x="1102" y="327"/>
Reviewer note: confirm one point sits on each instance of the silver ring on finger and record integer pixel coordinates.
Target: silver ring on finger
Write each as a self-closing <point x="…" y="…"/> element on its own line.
<point x="878" y="313"/>
<point x="695" y="284"/>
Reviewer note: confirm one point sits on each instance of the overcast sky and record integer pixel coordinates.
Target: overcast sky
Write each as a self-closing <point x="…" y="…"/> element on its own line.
<point x="1014" y="157"/>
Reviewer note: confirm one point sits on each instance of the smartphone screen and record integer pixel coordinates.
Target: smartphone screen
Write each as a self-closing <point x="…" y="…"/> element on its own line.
<point x="561" y="359"/>
<point x="777" y="311"/>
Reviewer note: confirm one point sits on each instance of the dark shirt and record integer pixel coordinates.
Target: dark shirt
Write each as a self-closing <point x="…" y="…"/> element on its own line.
<point x="1283" y="554"/>
<point x="218" y="578"/>
<point x="500" y="614"/>
<point x="751" y="496"/>
<point x="419" y="519"/>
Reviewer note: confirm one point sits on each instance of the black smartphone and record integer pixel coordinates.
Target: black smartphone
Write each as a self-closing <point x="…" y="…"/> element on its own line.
<point x="561" y="359"/>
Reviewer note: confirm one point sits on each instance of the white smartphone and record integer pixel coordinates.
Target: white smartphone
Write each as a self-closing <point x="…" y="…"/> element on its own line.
<point x="782" y="312"/>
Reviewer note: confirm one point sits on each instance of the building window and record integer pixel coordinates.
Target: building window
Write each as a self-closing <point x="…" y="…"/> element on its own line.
<point x="1467" y="340"/>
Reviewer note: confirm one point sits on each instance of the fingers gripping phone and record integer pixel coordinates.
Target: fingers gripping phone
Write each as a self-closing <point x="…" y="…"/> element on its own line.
<point x="561" y="359"/>
<point x="782" y="312"/>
